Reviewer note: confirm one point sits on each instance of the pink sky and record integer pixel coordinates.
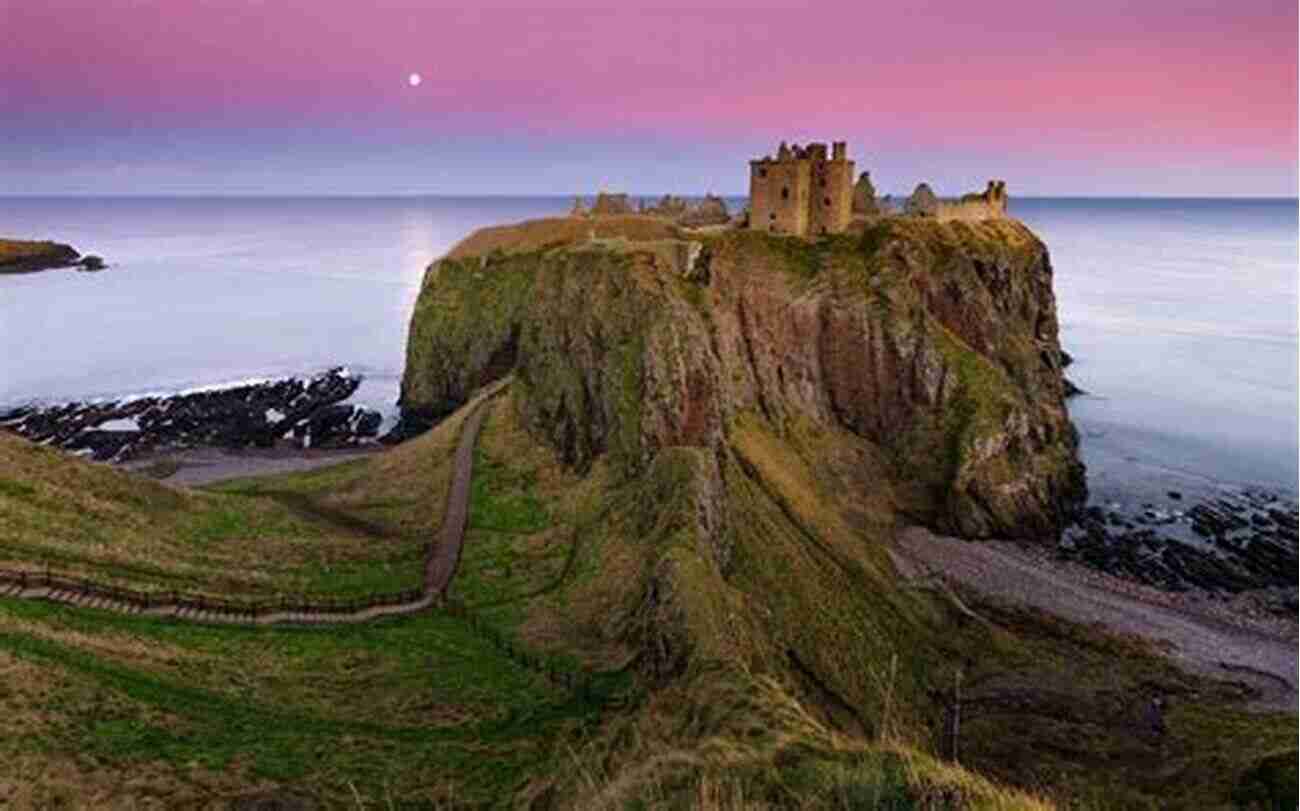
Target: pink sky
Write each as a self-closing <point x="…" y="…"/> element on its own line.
<point x="1081" y="98"/>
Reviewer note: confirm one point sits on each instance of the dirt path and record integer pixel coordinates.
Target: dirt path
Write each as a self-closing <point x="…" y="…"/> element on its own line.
<point x="1200" y="644"/>
<point x="200" y="466"/>
<point x="439" y="566"/>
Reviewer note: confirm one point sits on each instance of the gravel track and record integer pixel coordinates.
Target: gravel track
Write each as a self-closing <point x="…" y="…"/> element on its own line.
<point x="1202" y="644"/>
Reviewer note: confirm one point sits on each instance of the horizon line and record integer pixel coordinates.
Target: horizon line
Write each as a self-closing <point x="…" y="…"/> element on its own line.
<point x="571" y="195"/>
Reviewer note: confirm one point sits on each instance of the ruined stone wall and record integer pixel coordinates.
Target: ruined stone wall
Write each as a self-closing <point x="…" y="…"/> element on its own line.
<point x="779" y="193"/>
<point x="607" y="203"/>
<point x="991" y="204"/>
<point x="831" y="196"/>
<point x="864" y="196"/>
<point x="967" y="211"/>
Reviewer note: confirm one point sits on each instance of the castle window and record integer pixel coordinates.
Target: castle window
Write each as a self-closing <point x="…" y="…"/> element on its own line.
<point x="826" y="201"/>
<point x="823" y="182"/>
<point x="785" y="192"/>
<point x="762" y="173"/>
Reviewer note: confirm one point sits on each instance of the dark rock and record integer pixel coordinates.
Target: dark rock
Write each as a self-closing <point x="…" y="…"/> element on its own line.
<point x="337" y="426"/>
<point x="1175" y="495"/>
<point x="1066" y="359"/>
<point x="103" y="445"/>
<point x="241" y="416"/>
<point x="1243" y="547"/>
<point x="1071" y="390"/>
<point x="92" y="263"/>
<point x="410" y="424"/>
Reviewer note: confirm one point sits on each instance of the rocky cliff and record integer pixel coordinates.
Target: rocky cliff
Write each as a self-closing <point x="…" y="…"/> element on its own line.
<point x="933" y="342"/>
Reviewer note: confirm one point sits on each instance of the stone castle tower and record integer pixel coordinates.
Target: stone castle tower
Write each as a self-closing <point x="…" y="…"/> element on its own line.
<point x="802" y="192"/>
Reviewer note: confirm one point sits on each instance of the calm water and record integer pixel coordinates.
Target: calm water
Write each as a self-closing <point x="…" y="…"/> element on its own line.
<point x="1181" y="314"/>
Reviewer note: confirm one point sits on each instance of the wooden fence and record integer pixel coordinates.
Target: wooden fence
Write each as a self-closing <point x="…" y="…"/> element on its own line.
<point x="236" y="608"/>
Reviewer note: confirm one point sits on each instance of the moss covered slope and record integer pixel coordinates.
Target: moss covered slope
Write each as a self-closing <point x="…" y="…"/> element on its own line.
<point x="749" y="424"/>
<point x="935" y="342"/>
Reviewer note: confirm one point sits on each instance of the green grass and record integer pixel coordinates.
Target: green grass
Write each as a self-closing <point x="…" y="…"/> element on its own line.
<point x="254" y="538"/>
<point x="504" y="500"/>
<point x="415" y="706"/>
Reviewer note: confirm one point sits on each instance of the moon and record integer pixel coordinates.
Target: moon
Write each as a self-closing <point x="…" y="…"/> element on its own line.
<point x="414" y="80"/>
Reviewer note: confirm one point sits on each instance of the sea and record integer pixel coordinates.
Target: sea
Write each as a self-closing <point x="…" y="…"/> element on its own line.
<point x="1180" y="313"/>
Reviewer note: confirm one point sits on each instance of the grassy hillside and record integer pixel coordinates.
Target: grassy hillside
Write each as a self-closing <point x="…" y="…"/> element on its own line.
<point x="801" y="678"/>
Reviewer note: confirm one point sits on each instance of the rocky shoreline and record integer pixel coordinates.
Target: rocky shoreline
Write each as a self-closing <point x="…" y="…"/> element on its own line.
<point x="1232" y="543"/>
<point x="294" y="412"/>
<point x="23" y="256"/>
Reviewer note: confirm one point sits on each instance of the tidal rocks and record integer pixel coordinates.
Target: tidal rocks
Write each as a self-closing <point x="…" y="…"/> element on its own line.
<point x="256" y="414"/>
<point x="1229" y="543"/>
<point x="337" y="426"/>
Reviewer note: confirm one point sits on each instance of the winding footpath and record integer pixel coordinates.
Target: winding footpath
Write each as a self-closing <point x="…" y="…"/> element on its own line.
<point x="439" y="566"/>
<point x="1198" y="643"/>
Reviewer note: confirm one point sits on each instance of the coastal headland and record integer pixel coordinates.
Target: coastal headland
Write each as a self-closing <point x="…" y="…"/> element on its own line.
<point x="763" y="509"/>
<point x="23" y="256"/>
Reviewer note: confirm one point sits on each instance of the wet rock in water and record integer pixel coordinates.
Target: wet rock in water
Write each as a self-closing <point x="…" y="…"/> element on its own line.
<point x="92" y="263"/>
<point x="337" y="426"/>
<point x="1066" y="359"/>
<point x="1071" y="390"/>
<point x="1225" y="544"/>
<point x="250" y="415"/>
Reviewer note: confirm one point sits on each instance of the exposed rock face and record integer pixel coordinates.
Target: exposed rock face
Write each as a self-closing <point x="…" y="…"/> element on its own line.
<point x="935" y="341"/>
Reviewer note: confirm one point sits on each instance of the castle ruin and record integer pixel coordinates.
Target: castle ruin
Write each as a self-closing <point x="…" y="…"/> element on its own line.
<point x="802" y="192"/>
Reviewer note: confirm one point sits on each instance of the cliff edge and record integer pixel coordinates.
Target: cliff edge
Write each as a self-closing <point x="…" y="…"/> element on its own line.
<point x="933" y="342"/>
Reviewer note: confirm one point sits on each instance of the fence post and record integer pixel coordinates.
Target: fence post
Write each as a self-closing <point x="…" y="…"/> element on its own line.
<point x="954" y="719"/>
